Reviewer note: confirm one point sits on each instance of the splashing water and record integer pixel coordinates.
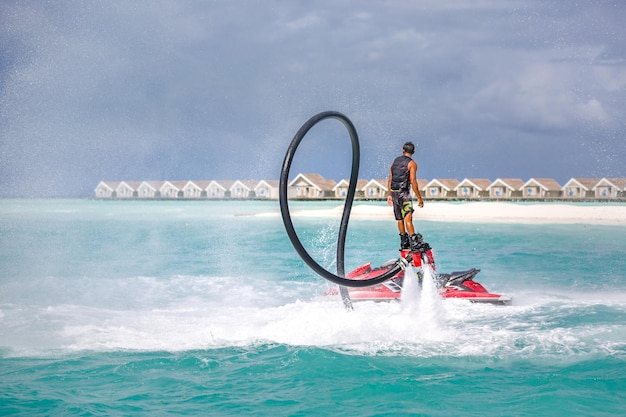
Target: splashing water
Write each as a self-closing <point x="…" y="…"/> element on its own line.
<point x="411" y="291"/>
<point x="324" y="246"/>
<point x="421" y="300"/>
<point x="431" y="309"/>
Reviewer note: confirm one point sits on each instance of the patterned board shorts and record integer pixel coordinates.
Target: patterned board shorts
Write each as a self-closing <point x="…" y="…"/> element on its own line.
<point x="402" y="204"/>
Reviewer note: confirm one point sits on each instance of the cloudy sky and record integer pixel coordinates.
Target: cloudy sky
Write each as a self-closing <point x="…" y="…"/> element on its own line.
<point x="181" y="89"/>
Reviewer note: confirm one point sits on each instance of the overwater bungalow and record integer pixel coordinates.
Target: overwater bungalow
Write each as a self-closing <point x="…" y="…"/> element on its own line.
<point x="441" y="188"/>
<point x="505" y="188"/>
<point x="473" y="188"/>
<point x="579" y="188"/>
<point x="340" y="190"/>
<point x="149" y="189"/>
<point x="267" y="189"/>
<point x="610" y="188"/>
<point x="310" y="186"/>
<point x="537" y="188"/>
<point x="375" y="189"/>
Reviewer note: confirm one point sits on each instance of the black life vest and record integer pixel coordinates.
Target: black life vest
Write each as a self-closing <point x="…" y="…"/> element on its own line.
<point x="400" y="176"/>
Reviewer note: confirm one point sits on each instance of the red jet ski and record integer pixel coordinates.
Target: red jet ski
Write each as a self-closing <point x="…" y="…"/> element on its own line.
<point x="459" y="284"/>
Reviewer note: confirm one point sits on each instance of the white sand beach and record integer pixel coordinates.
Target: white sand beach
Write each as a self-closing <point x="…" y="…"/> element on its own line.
<point x="485" y="212"/>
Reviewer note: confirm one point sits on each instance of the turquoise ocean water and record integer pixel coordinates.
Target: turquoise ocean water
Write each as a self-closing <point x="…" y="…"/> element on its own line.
<point x="204" y="308"/>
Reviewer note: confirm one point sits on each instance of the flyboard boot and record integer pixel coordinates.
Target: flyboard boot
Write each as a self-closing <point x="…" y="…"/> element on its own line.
<point x="419" y="252"/>
<point x="416" y="243"/>
<point x="404" y="241"/>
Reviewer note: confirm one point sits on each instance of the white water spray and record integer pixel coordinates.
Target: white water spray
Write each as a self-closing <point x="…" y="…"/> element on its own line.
<point x="411" y="291"/>
<point x="421" y="300"/>
<point x="431" y="309"/>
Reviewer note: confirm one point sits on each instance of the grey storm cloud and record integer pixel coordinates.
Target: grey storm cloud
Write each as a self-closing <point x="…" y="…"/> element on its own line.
<point x="148" y="90"/>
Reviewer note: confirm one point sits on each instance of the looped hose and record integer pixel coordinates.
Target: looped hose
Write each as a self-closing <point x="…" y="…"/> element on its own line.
<point x="343" y="228"/>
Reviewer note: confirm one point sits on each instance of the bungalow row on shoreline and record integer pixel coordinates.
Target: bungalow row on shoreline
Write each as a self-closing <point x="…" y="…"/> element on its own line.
<point x="316" y="187"/>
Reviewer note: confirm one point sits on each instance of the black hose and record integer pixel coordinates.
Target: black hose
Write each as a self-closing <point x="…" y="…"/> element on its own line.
<point x="343" y="228"/>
